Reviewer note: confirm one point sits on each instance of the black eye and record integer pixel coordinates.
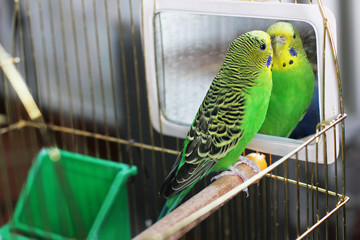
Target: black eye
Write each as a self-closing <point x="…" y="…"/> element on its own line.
<point x="294" y="36"/>
<point x="262" y="47"/>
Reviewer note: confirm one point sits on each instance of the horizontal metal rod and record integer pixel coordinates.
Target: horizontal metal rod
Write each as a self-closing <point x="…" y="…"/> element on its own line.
<point x="16" y="126"/>
<point x="322" y="190"/>
<point x="340" y="204"/>
<point x="21" y="124"/>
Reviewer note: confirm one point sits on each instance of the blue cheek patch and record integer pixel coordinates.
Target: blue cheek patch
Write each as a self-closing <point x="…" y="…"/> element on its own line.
<point x="268" y="63"/>
<point x="293" y="52"/>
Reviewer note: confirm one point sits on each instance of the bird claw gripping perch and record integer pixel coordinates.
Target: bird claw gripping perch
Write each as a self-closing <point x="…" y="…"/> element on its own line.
<point x="249" y="162"/>
<point x="236" y="172"/>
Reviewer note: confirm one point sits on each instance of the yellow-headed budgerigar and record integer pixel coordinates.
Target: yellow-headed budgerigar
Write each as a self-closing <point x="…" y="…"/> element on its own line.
<point x="293" y="81"/>
<point x="231" y="113"/>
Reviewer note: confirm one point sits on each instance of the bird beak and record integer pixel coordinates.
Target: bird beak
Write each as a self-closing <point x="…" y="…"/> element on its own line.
<point x="278" y="43"/>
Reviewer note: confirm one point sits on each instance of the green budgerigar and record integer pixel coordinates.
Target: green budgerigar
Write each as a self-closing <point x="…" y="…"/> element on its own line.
<point x="230" y="115"/>
<point x="293" y="81"/>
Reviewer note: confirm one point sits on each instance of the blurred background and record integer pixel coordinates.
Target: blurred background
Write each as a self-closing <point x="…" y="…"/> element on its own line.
<point x="54" y="76"/>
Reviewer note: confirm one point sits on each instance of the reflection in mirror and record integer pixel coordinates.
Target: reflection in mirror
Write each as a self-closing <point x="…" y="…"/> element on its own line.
<point x="190" y="49"/>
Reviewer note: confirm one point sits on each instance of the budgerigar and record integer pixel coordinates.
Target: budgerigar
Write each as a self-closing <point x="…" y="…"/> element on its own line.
<point x="293" y="81"/>
<point x="231" y="113"/>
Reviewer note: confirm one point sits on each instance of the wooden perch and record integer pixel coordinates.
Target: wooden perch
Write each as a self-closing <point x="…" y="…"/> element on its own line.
<point x="188" y="215"/>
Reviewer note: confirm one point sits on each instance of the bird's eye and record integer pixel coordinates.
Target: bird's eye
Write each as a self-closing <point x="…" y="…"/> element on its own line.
<point x="262" y="47"/>
<point x="294" y="36"/>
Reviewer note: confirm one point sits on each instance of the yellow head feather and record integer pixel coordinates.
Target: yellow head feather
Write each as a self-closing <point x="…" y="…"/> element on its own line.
<point x="287" y="45"/>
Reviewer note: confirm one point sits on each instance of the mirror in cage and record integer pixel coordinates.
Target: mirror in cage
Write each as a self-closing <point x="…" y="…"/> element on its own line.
<point x="185" y="43"/>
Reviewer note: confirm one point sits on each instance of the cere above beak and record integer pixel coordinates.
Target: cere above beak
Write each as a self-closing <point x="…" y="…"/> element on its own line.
<point x="277" y="43"/>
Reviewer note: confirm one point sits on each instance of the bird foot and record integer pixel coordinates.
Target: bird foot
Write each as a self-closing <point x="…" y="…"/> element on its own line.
<point x="249" y="162"/>
<point x="234" y="171"/>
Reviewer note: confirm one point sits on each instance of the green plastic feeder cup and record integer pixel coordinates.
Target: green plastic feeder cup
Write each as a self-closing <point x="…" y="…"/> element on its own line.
<point x="74" y="197"/>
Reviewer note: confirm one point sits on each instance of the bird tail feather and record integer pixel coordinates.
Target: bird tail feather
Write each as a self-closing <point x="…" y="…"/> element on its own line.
<point x="172" y="202"/>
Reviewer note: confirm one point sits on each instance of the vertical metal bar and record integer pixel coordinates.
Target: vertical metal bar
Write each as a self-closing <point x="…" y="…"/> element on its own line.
<point x="252" y="212"/>
<point x="245" y="216"/>
<point x="221" y="224"/>
<point x="258" y="224"/>
<point x="226" y="216"/>
<point x="8" y="208"/>
<point x="45" y="61"/>
<point x="3" y="167"/>
<point x="297" y="196"/>
<point x="276" y="210"/>
<point x="307" y="189"/>
<point x="343" y="176"/>
<point x="240" y="219"/>
<point x="334" y="54"/>
<point x="157" y="84"/>
<point x="324" y="135"/>
<point x="341" y="106"/>
<point x="326" y="189"/>
<point x="78" y="73"/>
<point x="14" y="27"/>
<point x="228" y="220"/>
<point x="33" y="58"/>
<point x="197" y="232"/>
<point x="322" y="10"/>
<point x="272" y="202"/>
<point x="115" y="106"/>
<point x="336" y="185"/>
<point x="57" y="75"/>
<point x="21" y="142"/>
<point x="32" y="134"/>
<point x="102" y="91"/>
<point x="312" y="197"/>
<point x="22" y="42"/>
<point x="138" y="98"/>
<point x="67" y="75"/>
<point x="235" y="219"/>
<point x="154" y="163"/>
<point x="90" y="76"/>
<point x="137" y="84"/>
<point x="151" y="131"/>
<point x="264" y="208"/>
<point x="127" y="109"/>
<point x="317" y="188"/>
<point x="9" y="110"/>
<point x="125" y="79"/>
<point x="178" y="144"/>
<point x="286" y="199"/>
<point x="245" y="211"/>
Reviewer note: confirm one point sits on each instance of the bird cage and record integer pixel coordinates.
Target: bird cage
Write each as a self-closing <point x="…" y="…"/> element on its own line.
<point x="98" y="72"/>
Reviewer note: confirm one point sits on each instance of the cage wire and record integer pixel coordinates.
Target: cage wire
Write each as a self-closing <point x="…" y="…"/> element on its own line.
<point x="84" y="66"/>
